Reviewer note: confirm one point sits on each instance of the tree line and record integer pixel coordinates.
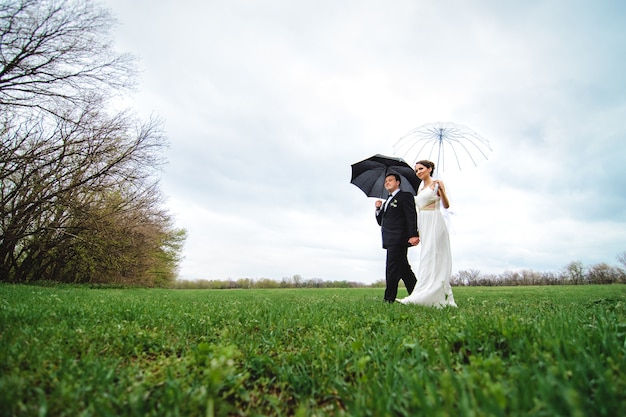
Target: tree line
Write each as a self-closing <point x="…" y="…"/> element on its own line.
<point x="295" y="281"/>
<point x="79" y="195"/>
<point x="574" y="273"/>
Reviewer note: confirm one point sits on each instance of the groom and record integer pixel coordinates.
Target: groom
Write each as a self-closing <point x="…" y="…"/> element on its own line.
<point x="398" y="220"/>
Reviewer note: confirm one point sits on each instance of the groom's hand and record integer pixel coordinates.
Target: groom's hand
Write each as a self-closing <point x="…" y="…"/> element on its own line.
<point x="414" y="241"/>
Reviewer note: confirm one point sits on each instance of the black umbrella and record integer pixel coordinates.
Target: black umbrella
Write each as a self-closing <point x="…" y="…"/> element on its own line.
<point x="369" y="175"/>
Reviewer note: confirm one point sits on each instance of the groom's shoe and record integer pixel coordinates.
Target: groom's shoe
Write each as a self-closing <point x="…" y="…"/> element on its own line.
<point x="390" y="301"/>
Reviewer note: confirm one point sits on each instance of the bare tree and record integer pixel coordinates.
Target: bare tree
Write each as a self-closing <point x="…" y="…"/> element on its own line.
<point x="79" y="198"/>
<point x="56" y="53"/>
<point x="467" y="277"/>
<point x="575" y="272"/>
<point x="603" y="273"/>
<point x="58" y="182"/>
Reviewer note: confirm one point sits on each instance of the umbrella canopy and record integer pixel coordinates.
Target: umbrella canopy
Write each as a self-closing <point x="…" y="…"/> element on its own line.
<point x="369" y="175"/>
<point x="444" y="144"/>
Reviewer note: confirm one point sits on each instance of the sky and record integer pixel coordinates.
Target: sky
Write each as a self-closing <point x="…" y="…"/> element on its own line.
<point x="267" y="104"/>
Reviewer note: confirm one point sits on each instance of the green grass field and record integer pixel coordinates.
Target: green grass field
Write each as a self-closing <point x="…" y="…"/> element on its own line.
<point x="540" y="351"/>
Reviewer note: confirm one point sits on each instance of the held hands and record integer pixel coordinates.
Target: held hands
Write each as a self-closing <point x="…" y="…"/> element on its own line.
<point x="414" y="241"/>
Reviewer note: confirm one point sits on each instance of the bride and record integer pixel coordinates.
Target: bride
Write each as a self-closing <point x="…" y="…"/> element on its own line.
<point x="435" y="266"/>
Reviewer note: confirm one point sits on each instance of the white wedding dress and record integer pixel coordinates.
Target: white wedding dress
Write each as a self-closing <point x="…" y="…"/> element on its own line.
<point x="435" y="264"/>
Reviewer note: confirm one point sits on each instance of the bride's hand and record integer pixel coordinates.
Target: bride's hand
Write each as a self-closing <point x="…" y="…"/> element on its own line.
<point x="440" y="187"/>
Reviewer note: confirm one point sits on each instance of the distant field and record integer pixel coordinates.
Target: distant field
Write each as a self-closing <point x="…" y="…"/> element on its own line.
<point x="542" y="351"/>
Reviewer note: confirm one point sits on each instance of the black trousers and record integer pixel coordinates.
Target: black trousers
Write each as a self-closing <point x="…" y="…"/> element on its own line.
<point x="398" y="268"/>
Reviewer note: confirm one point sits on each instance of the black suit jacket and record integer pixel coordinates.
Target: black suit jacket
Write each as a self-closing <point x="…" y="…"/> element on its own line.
<point x="399" y="222"/>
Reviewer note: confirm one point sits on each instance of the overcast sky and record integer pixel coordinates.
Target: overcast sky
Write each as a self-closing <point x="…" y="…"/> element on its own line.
<point x="268" y="103"/>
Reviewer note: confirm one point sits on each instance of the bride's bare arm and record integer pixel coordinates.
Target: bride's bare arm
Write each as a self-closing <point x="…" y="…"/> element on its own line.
<point x="441" y="192"/>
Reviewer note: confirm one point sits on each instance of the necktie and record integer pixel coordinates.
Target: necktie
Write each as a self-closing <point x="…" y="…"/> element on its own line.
<point x="388" y="200"/>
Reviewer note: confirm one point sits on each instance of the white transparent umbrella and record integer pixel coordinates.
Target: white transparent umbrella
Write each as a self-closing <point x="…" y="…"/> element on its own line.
<point x="444" y="143"/>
